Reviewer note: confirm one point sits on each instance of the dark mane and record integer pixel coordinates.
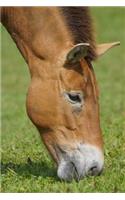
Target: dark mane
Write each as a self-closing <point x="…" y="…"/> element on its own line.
<point x="79" y="21"/>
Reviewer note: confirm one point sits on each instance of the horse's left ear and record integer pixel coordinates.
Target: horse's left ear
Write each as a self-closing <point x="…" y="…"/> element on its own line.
<point x="103" y="48"/>
<point x="77" y="52"/>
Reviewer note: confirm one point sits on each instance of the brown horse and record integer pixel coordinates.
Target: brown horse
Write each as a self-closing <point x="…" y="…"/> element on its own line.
<point x="62" y="101"/>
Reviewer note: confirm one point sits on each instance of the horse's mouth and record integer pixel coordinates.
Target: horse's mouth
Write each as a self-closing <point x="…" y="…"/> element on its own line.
<point x="86" y="161"/>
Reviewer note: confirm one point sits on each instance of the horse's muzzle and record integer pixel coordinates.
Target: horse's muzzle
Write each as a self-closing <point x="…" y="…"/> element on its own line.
<point x="84" y="161"/>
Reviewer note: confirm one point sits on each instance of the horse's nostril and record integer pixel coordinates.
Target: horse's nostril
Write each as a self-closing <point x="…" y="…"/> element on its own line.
<point x="93" y="170"/>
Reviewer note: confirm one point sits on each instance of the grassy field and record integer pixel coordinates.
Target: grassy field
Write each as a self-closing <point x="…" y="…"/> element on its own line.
<point x="20" y="140"/>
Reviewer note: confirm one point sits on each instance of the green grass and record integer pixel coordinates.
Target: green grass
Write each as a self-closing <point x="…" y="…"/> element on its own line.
<point x="26" y="165"/>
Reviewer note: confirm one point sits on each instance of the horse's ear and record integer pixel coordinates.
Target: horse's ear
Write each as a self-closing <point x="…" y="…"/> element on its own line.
<point x="103" y="48"/>
<point x="77" y="52"/>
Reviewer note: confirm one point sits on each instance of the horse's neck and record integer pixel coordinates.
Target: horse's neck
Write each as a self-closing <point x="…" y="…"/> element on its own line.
<point x="38" y="32"/>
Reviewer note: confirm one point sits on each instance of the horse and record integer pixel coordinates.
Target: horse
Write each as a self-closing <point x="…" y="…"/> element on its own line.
<point x="58" y="45"/>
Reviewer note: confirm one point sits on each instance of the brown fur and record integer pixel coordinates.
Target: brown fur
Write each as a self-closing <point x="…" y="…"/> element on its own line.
<point x="79" y="22"/>
<point x="44" y="39"/>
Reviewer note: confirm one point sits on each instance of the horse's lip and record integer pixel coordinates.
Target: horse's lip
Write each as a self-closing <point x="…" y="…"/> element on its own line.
<point x="76" y="174"/>
<point x="76" y="164"/>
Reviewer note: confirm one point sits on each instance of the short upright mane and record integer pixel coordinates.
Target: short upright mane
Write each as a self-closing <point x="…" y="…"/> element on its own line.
<point x="79" y="22"/>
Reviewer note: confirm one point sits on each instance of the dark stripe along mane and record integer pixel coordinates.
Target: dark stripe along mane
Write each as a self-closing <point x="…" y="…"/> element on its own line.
<point x="79" y="21"/>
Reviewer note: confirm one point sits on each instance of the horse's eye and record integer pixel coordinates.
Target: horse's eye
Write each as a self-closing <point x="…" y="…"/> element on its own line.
<point x="74" y="97"/>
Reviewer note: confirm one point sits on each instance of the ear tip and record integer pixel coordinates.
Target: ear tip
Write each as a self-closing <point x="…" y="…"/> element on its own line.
<point x="102" y="48"/>
<point x="117" y="43"/>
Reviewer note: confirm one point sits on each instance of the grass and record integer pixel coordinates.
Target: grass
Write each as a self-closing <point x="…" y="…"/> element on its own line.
<point x="26" y="165"/>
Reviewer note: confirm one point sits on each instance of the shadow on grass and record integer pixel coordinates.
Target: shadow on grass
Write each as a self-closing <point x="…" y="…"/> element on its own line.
<point x="38" y="169"/>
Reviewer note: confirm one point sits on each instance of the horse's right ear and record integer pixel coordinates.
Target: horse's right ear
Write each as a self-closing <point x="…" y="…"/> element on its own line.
<point x="103" y="48"/>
